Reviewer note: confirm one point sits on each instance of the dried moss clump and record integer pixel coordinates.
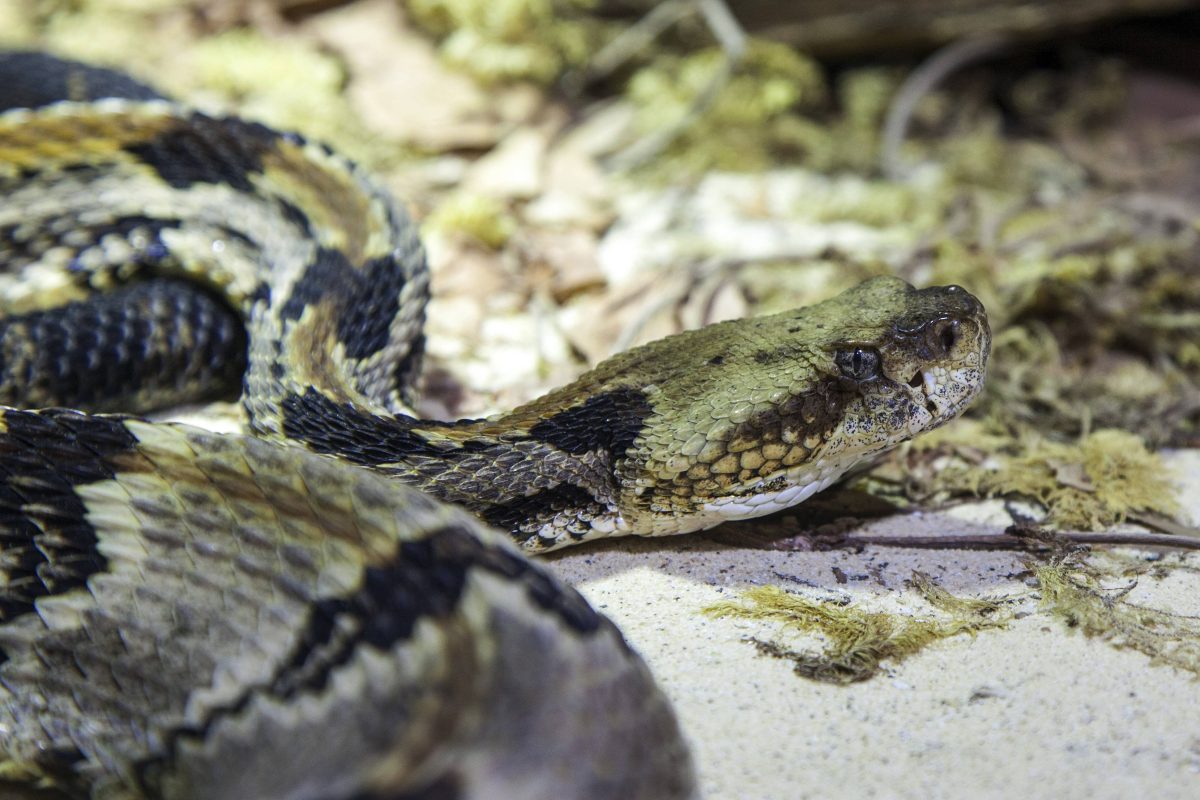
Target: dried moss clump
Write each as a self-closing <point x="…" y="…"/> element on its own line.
<point x="1072" y="593"/>
<point x="1095" y="317"/>
<point x="286" y="83"/>
<point x="484" y="219"/>
<point x="1093" y="484"/>
<point x="504" y="40"/>
<point x="753" y="119"/>
<point x="857" y="641"/>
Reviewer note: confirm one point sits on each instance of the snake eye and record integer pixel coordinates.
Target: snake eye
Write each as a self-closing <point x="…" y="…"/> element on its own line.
<point x="860" y="364"/>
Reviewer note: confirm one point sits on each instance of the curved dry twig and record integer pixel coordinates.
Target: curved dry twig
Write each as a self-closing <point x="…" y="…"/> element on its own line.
<point x="921" y="82"/>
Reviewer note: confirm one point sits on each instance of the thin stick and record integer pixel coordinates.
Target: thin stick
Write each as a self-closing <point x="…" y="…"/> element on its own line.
<point x="724" y="27"/>
<point x="921" y="82"/>
<point x="1008" y="541"/>
<point x="638" y="36"/>
<point x="732" y="37"/>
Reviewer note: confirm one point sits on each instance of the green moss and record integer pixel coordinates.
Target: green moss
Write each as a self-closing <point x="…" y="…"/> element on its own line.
<point x="1072" y="592"/>
<point x="284" y="82"/>
<point x="858" y="641"/>
<point x="484" y="219"/>
<point x="874" y="203"/>
<point x="17" y="24"/>
<point x="1093" y="484"/>
<point x="750" y="121"/>
<point x="98" y="32"/>
<point x="534" y="40"/>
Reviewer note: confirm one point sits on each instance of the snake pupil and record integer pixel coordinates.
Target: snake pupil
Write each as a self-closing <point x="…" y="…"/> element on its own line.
<point x="860" y="364"/>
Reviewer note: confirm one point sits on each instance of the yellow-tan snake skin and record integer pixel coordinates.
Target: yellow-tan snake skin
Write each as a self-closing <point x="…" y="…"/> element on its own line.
<point x="282" y="614"/>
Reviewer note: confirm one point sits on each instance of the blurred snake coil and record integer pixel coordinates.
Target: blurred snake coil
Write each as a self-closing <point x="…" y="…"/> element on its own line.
<point x="335" y="605"/>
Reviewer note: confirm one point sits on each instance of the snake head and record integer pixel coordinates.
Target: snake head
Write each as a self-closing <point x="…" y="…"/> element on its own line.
<point x="731" y="421"/>
<point x="753" y="416"/>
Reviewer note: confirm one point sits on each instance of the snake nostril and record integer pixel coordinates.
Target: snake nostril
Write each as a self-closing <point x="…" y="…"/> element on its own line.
<point x="947" y="335"/>
<point x="915" y="381"/>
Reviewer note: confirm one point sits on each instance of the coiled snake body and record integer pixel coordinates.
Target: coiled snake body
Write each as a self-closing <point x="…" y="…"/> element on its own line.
<point x="279" y="615"/>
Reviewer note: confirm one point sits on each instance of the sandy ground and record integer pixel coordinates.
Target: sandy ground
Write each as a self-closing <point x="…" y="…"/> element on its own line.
<point x="1032" y="711"/>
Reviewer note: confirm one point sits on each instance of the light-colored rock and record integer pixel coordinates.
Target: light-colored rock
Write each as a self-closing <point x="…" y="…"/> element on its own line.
<point x="513" y="170"/>
<point x="402" y="90"/>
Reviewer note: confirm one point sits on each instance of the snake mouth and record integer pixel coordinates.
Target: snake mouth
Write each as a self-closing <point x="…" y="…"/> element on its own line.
<point x="783" y="489"/>
<point x="942" y="392"/>
<point x="925" y="386"/>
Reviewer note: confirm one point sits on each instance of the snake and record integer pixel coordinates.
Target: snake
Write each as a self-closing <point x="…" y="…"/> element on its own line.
<point x="338" y="603"/>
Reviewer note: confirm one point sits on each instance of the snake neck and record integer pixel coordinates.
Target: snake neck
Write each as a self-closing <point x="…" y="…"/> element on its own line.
<point x="547" y="475"/>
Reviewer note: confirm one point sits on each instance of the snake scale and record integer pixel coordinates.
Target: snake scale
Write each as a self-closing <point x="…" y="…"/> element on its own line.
<point x="302" y="612"/>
